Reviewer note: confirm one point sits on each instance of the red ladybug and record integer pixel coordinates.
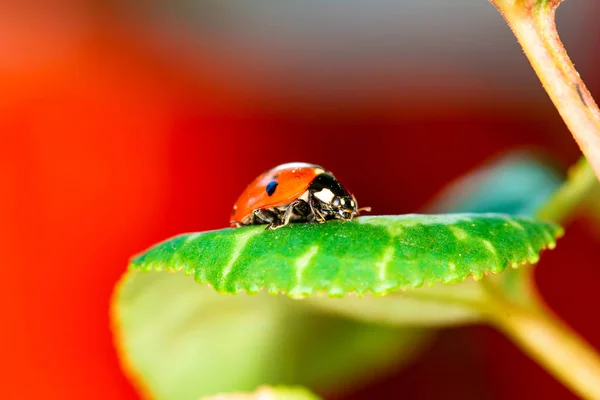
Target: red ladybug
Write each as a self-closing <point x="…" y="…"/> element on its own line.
<point x="294" y="192"/>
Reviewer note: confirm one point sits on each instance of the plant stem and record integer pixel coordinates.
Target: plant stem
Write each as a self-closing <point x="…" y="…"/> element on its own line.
<point x="547" y="340"/>
<point x="533" y="23"/>
<point x="572" y="194"/>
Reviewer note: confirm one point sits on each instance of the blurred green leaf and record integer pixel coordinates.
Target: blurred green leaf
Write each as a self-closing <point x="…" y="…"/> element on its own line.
<point x="516" y="184"/>
<point x="437" y="306"/>
<point x="179" y="340"/>
<point x="377" y="254"/>
<point x="268" y="393"/>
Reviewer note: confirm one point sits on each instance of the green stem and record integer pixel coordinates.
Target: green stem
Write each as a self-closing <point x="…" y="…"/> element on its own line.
<point x="580" y="185"/>
<point x="547" y="340"/>
<point x="533" y="23"/>
<point x="592" y="206"/>
<point x="520" y="314"/>
<point x="577" y="191"/>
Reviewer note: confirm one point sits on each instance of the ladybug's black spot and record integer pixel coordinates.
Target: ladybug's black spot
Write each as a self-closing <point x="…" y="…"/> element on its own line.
<point x="271" y="186"/>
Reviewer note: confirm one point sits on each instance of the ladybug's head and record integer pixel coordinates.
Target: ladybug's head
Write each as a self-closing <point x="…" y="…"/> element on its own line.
<point x="344" y="207"/>
<point x="333" y="199"/>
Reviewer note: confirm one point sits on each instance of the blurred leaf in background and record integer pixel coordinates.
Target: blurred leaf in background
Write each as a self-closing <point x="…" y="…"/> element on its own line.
<point x="517" y="183"/>
<point x="182" y="340"/>
<point x="268" y="393"/>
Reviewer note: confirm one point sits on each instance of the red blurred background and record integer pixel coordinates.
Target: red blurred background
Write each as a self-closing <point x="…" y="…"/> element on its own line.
<point x="123" y="123"/>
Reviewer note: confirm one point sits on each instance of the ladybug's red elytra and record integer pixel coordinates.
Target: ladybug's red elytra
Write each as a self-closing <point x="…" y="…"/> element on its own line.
<point x="294" y="192"/>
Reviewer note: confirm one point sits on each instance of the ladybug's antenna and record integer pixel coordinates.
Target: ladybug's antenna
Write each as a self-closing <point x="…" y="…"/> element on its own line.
<point x="366" y="209"/>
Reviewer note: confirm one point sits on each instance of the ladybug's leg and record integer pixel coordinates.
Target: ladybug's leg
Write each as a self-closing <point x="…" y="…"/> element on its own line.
<point x="299" y="208"/>
<point x="266" y="217"/>
<point x="316" y="210"/>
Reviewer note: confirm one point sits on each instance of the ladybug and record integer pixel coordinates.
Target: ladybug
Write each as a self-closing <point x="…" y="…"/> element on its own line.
<point x="294" y="192"/>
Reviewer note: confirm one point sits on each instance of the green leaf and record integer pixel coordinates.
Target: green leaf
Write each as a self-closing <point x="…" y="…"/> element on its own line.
<point x="178" y="341"/>
<point x="437" y="306"/>
<point x="377" y="254"/>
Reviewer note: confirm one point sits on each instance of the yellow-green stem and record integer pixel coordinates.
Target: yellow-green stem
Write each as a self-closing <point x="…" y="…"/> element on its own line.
<point x="548" y="341"/>
<point x="579" y="186"/>
<point x="533" y="23"/>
